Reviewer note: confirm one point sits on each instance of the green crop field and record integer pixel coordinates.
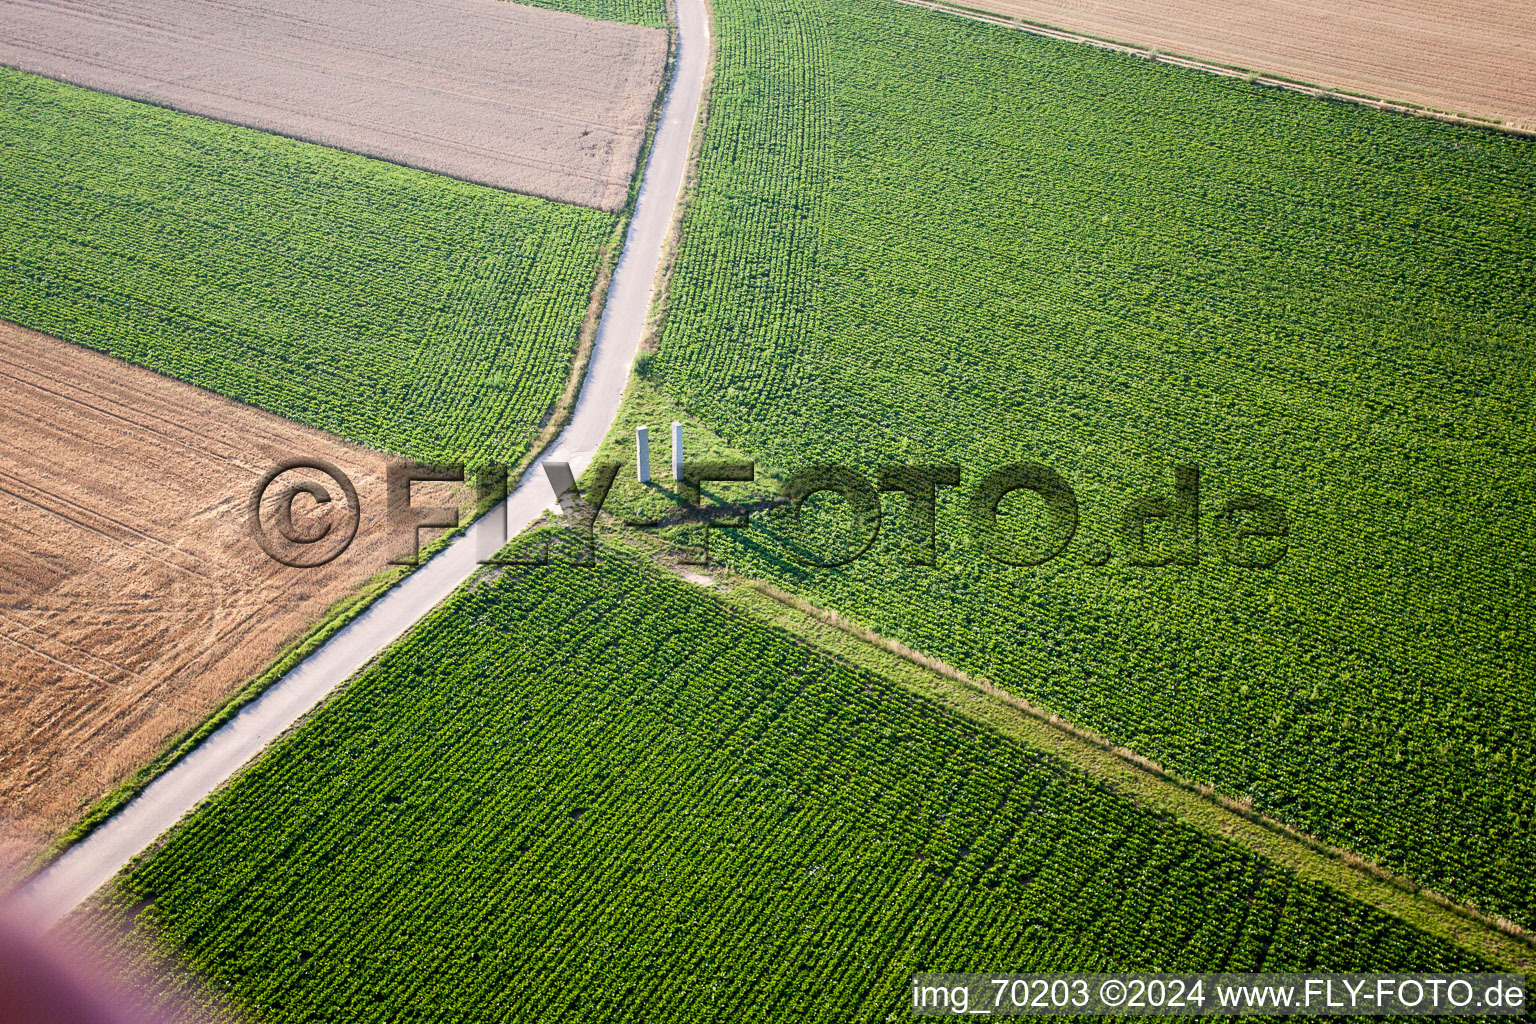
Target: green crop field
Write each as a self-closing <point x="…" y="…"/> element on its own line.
<point x="601" y="795"/>
<point x="606" y="793"/>
<point x="407" y="311"/>
<point x="919" y="239"/>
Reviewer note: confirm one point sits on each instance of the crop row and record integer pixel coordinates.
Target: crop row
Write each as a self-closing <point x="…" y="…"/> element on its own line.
<point x="403" y="310"/>
<point x="600" y="795"/>
<point x="920" y="240"/>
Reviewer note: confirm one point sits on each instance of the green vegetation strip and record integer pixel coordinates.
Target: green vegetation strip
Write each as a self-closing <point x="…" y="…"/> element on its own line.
<point x="407" y="311"/>
<point x="920" y="239"/>
<point x="599" y="794"/>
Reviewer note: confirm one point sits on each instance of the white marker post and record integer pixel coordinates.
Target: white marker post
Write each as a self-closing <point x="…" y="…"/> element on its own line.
<point x="643" y="454"/>
<point x="677" y="451"/>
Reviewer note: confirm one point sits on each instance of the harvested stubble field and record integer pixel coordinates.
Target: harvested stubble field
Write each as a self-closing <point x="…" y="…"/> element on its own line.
<point x="531" y="100"/>
<point x="410" y="312"/>
<point x="632" y="12"/>
<point x="132" y="601"/>
<point x="1474" y="58"/>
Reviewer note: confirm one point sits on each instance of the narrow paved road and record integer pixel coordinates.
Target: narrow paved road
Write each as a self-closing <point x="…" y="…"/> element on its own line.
<point x="71" y="879"/>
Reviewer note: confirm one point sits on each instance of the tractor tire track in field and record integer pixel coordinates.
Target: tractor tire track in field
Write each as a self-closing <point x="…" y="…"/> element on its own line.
<point x="85" y="867"/>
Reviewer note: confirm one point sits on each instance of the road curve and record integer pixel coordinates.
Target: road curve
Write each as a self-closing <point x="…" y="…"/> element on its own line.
<point x="84" y="868"/>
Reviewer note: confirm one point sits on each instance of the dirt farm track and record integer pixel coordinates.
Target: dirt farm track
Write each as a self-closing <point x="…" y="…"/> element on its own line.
<point x="132" y="599"/>
<point x="1472" y="57"/>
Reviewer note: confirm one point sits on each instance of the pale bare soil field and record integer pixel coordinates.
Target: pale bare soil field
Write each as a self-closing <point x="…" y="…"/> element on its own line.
<point x="516" y="97"/>
<point x="133" y="599"/>
<point x="1473" y="57"/>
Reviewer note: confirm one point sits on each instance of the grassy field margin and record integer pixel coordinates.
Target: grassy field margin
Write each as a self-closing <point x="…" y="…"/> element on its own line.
<point x="1146" y="783"/>
<point x="343" y="612"/>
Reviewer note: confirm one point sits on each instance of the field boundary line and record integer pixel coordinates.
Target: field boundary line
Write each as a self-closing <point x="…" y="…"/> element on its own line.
<point x="669" y="246"/>
<point x="436" y="104"/>
<point x="307" y="640"/>
<point x="1251" y="75"/>
<point x="68" y="881"/>
<point x="299" y="646"/>
<point x="608" y="259"/>
<point x="1141" y="779"/>
<point x="1132" y="775"/>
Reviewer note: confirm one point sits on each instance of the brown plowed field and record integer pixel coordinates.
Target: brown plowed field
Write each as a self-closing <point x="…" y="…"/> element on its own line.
<point x="133" y="600"/>
<point x="1474" y="57"/>
<point x="517" y="97"/>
